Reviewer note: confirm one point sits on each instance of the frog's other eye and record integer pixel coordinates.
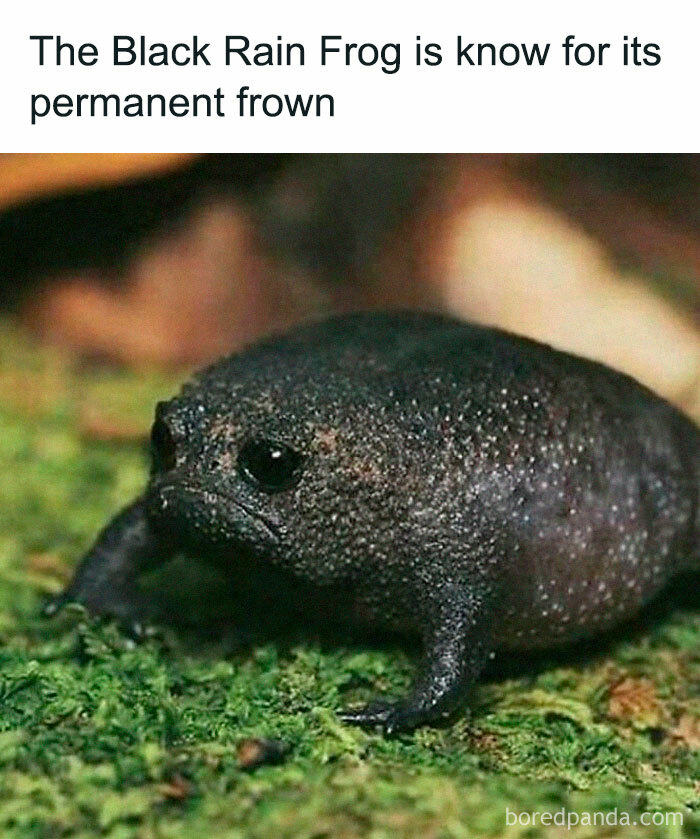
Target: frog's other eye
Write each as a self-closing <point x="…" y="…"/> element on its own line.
<point x="163" y="446"/>
<point x="268" y="465"/>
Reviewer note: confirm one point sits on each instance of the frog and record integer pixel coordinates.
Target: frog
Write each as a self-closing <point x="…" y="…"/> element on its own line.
<point x="414" y="473"/>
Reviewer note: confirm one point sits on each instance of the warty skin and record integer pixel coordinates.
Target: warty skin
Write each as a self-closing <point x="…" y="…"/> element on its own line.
<point x="417" y="473"/>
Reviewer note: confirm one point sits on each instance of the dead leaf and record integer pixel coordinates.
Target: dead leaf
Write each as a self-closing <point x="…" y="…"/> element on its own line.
<point x="46" y="563"/>
<point x="177" y="788"/>
<point x="253" y="752"/>
<point x="688" y="731"/>
<point x="635" y="700"/>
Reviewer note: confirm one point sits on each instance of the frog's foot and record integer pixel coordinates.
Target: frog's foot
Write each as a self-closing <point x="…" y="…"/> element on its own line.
<point x="126" y="605"/>
<point x="391" y="717"/>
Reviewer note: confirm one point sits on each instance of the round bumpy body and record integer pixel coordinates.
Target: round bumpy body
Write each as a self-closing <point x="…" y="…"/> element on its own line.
<point x="420" y="473"/>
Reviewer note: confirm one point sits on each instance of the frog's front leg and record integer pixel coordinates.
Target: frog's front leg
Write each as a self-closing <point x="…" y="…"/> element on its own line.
<point x="105" y="582"/>
<point x="458" y="637"/>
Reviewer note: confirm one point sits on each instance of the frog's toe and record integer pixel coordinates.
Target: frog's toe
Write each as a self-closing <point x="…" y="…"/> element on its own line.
<point x="54" y="605"/>
<point x="125" y="606"/>
<point x="369" y="716"/>
<point x="391" y="717"/>
<point x="137" y="629"/>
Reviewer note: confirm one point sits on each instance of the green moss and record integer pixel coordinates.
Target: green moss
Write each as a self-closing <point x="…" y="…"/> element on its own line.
<point x="98" y="737"/>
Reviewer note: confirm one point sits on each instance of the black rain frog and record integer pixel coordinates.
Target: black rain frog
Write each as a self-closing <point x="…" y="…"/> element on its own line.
<point x="412" y="472"/>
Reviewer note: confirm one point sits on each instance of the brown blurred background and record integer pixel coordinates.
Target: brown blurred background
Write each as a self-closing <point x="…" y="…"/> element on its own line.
<point x="177" y="259"/>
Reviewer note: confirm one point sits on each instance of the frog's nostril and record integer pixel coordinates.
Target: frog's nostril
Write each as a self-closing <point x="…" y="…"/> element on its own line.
<point x="163" y="446"/>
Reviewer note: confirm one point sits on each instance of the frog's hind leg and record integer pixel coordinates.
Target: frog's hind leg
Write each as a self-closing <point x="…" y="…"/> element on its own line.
<point x="106" y="580"/>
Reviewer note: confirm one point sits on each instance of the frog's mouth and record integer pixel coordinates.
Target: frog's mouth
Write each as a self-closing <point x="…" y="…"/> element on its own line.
<point x="202" y="516"/>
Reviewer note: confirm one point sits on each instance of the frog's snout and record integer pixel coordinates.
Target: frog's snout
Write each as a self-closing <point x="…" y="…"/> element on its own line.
<point x="200" y="517"/>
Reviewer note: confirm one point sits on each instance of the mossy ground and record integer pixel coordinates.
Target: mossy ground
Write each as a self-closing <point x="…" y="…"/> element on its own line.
<point x="101" y="737"/>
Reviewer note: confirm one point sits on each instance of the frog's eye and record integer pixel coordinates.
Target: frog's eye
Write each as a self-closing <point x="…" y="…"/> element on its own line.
<point x="163" y="446"/>
<point x="269" y="465"/>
